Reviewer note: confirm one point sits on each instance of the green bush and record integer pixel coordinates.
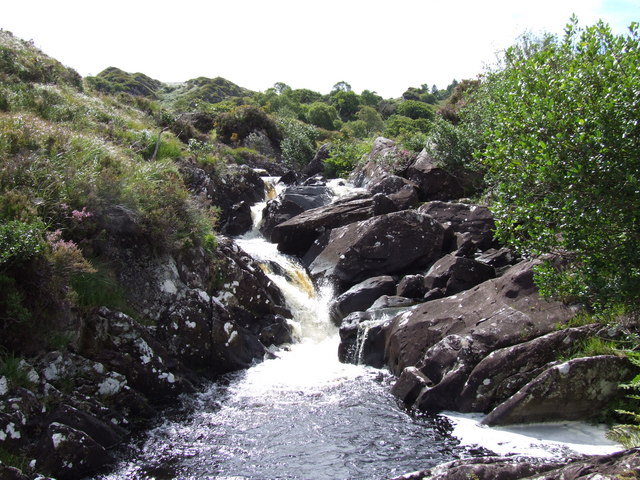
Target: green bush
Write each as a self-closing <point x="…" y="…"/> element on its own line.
<point x="299" y="144"/>
<point x="561" y="130"/>
<point x="344" y="156"/>
<point x="20" y="241"/>
<point x="234" y="126"/>
<point x="397" y="125"/>
<point x="322" y="115"/>
<point x="415" y="109"/>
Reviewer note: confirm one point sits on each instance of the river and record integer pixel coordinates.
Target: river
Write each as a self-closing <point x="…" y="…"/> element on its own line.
<point x="303" y="414"/>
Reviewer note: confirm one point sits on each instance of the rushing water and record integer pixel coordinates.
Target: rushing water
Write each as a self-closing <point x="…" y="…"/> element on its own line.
<point x="301" y="415"/>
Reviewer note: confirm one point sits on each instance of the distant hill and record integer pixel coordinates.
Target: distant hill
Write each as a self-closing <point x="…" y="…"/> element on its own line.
<point x="113" y="80"/>
<point x="202" y="89"/>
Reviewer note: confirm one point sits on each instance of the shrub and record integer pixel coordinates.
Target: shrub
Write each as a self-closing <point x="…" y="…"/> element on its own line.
<point x="299" y="144"/>
<point x="397" y="125"/>
<point x="343" y="157"/>
<point x="20" y="241"/>
<point x="415" y="109"/>
<point x="234" y="126"/>
<point x="564" y="165"/>
<point x="322" y="115"/>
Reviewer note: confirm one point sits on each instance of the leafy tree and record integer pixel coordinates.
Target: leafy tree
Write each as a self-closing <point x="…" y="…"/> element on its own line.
<point x="341" y="86"/>
<point x="400" y="125"/>
<point x="299" y="143"/>
<point x="322" y="115"/>
<point x="563" y="152"/>
<point x="346" y="102"/>
<point x="306" y="96"/>
<point x="370" y="99"/>
<point x="416" y="109"/>
<point x="281" y="87"/>
<point x="372" y="120"/>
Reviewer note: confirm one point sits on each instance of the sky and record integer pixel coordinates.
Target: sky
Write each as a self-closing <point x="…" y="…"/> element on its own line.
<point x="383" y="46"/>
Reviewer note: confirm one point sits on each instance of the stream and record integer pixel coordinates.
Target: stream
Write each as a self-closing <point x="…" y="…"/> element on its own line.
<point x="303" y="414"/>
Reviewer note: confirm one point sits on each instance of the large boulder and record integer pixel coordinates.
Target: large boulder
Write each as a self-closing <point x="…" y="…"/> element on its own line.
<point x="501" y="374"/>
<point x="435" y="182"/>
<point x="382" y="161"/>
<point x="475" y="220"/>
<point x="316" y="165"/>
<point x="296" y="235"/>
<point x="455" y="274"/>
<point x="384" y="245"/>
<point x="445" y="339"/>
<point x="361" y="296"/>
<point x="70" y="453"/>
<point x="291" y="202"/>
<point x="577" y="389"/>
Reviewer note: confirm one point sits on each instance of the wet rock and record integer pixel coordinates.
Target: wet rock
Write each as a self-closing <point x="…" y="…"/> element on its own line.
<point x="433" y="181"/>
<point x="619" y="465"/>
<point x="455" y="274"/>
<point x="553" y="394"/>
<point x="445" y="339"/>
<point x="392" y="301"/>
<point x="239" y="220"/>
<point x="362" y="339"/>
<point x="485" y="468"/>
<point x="384" y="245"/>
<point x="106" y="435"/>
<point x="411" y="382"/>
<point x="361" y="296"/>
<point x="69" y="453"/>
<point x="502" y="373"/>
<point x="296" y="235"/>
<point x="476" y="220"/>
<point x="291" y="202"/>
<point x="411" y="286"/>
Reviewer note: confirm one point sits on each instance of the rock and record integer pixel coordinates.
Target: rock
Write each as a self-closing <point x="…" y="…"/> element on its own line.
<point x="456" y="274"/>
<point x="476" y="220"/>
<point x="12" y="473"/>
<point x="362" y="339"/>
<point x="316" y="165"/>
<point x="578" y="389"/>
<point x="118" y="341"/>
<point x="392" y="302"/>
<point x="361" y="296"/>
<point x="501" y="374"/>
<point x="384" y="245"/>
<point x="619" y="465"/>
<point x="291" y="202"/>
<point x="485" y="468"/>
<point x="499" y="259"/>
<point x="433" y="181"/>
<point x="405" y="198"/>
<point x="69" y="453"/>
<point x="296" y="235"/>
<point x="238" y="183"/>
<point x="445" y="339"/>
<point x="411" y="286"/>
<point x="105" y="434"/>
<point x="239" y="220"/>
<point x="411" y="382"/>
<point x="374" y="169"/>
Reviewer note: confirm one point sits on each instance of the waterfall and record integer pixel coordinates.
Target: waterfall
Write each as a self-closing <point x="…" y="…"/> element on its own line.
<point x="300" y="415"/>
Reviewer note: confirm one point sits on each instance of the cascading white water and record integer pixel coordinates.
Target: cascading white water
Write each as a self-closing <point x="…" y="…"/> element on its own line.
<point x="300" y="415"/>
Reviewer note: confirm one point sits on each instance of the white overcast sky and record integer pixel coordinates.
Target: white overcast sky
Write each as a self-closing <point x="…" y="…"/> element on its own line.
<point x="384" y="46"/>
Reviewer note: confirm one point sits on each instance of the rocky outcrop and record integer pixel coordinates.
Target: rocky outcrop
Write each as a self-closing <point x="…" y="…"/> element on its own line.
<point x="453" y="274"/>
<point x="501" y="374"/>
<point x="383" y="245"/>
<point x="296" y="235"/>
<point x="577" y="389"/>
<point x="291" y="202"/>
<point x="619" y="465"/>
<point x="226" y="190"/>
<point x="361" y="296"/>
<point x="445" y="339"/>
<point x="382" y="161"/>
<point x="475" y="220"/>
<point x="316" y="165"/>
